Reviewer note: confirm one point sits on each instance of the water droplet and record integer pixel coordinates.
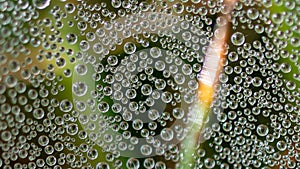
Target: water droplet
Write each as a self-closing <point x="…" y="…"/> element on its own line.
<point x="72" y="129"/>
<point x="129" y="48"/>
<point x="6" y="135"/>
<point x="160" y="165"/>
<point x="66" y="105"/>
<point x="71" y="38"/>
<point x="116" y="3"/>
<point x="252" y="13"/>
<point x="79" y="88"/>
<point x="133" y="163"/>
<point x="178" y="113"/>
<point x="14" y="65"/>
<point x="146" y="149"/>
<point x="11" y="81"/>
<point x="43" y="140"/>
<point x="262" y="130"/>
<point x="166" y="97"/>
<point x="285" y="67"/>
<point x="146" y="89"/>
<point x="238" y="38"/>
<point x="209" y="162"/>
<point x="256" y="81"/>
<point x="167" y="134"/>
<point x="149" y="163"/>
<point x="38" y="113"/>
<point x="60" y="62"/>
<point x="137" y="124"/>
<point x="41" y="4"/>
<point x="102" y="165"/>
<point x="92" y="154"/>
<point x="178" y="8"/>
<point x="155" y="52"/>
<point x="153" y="114"/>
<point x="281" y="145"/>
<point x="70" y="7"/>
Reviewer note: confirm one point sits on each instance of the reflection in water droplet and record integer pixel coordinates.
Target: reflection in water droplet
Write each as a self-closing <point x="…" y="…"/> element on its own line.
<point x="92" y="154"/>
<point x="72" y="129"/>
<point x="133" y="163"/>
<point x="66" y="105"/>
<point x="262" y="130"/>
<point x="41" y="4"/>
<point x="129" y="48"/>
<point x="102" y="165"/>
<point x="167" y="134"/>
<point x="146" y="150"/>
<point x="238" y="38"/>
<point x="71" y="38"/>
<point x="79" y="88"/>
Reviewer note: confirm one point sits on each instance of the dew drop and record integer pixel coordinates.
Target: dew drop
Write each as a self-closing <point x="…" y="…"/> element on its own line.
<point x="38" y="113"/>
<point x="209" y="162"/>
<point x="69" y="7"/>
<point x="6" y="135"/>
<point x="160" y="165"/>
<point x="262" y="130"/>
<point x="285" y="67"/>
<point x="129" y="48"/>
<point x="72" y="129"/>
<point x="66" y="105"/>
<point x="149" y="163"/>
<point x="133" y="163"/>
<point x="92" y="154"/>
<point x="79" y="88"/>
<point x="43" y="140"/>
<point x="178" y="113"/>
<point x="71" y="38"/>
<point x="41" y="4"/>
<point x="146" y="149"/>
<point x="238" y="38"/>
<point x="167" y="134"/>
<point x="153" y="114"/>
<point x="252" y="13"/>
<point x="178" y="8"/>
<point x="102" y="165"/>
<point x="155" y="52"/>
<point x="256" y="81"/>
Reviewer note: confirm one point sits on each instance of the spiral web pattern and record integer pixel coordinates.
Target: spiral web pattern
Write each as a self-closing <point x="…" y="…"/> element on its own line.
<point x="149" y="84"/>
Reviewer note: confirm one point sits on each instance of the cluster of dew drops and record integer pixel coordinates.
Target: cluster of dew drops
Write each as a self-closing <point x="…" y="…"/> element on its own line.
<point x="110" y="84"/>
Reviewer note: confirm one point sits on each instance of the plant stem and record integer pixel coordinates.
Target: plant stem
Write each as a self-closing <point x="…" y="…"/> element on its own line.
<point x="208" y="79"/>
